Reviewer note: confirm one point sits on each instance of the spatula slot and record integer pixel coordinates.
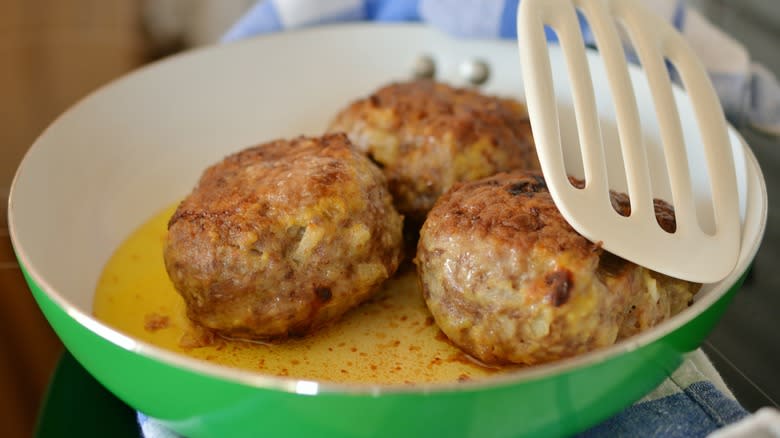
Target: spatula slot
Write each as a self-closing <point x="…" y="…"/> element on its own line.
<point x="571" y="154"/>
<point x="698" y="167"/>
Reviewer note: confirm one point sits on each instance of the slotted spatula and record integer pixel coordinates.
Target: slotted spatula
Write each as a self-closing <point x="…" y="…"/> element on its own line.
<point x="691" y="252"/>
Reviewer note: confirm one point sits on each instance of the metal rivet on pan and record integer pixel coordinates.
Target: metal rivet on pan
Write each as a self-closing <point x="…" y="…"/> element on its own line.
<point x="424" y="67"/>
<point x="475" y="71"/>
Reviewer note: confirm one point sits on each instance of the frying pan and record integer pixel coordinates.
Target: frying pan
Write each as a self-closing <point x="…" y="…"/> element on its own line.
<point x="140" y="143"/>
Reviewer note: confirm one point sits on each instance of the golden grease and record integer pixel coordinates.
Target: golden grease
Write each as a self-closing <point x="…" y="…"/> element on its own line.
<point x="390" y="339"/>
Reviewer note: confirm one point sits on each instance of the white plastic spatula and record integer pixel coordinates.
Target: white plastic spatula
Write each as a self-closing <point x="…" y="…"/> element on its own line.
<point x="690" y="253"/>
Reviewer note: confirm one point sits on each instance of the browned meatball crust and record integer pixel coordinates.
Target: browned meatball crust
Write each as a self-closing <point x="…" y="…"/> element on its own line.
<point x="508" y="280"/>
<point x="281" y="238"/>
<point x="427" y="135"/>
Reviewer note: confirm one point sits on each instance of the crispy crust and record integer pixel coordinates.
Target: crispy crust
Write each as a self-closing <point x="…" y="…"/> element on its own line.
<point x="282" y="238"/>
<point x="426" y="136"/>
<point x="508" y="280"/>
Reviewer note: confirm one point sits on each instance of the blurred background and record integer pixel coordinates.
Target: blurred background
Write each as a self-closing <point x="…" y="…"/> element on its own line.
<point x="53" y="52"/>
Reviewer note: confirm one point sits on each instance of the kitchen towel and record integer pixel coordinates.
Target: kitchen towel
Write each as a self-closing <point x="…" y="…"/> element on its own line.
<point x="749" y="93"/>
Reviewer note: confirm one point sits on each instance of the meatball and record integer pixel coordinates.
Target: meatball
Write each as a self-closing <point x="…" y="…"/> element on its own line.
<point x="509" y="281"/>
<point x="281" y="238"/>
<point x="427" y="135"/>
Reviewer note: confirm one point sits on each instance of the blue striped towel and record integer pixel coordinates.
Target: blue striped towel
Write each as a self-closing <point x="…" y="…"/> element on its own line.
<point x="749" y="93"/>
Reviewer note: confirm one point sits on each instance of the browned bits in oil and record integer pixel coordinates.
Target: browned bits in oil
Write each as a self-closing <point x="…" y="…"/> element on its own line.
<point x="284" y="372"/>
<point x="435" y="361"/>
<point x="196" y="337"/>
<point x="414" y="348"/>
<point x="396" y="343"/>
<point x="295" y="362"/>
<point x="155" y="321"/>
<point x="429" y="321"/>
<point x="464" y="378"/>
<point x="363" y="354"/>
<point x="560" y="283"/>
<point x="440" y="336"/>
<point x="343" y="371"/>
<point x="404" y="318"/>
<point x="353" y="349"/>
<point x="373" y="367"/>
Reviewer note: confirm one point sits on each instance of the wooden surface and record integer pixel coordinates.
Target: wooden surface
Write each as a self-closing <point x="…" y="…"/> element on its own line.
<point x="52" y="52"/>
